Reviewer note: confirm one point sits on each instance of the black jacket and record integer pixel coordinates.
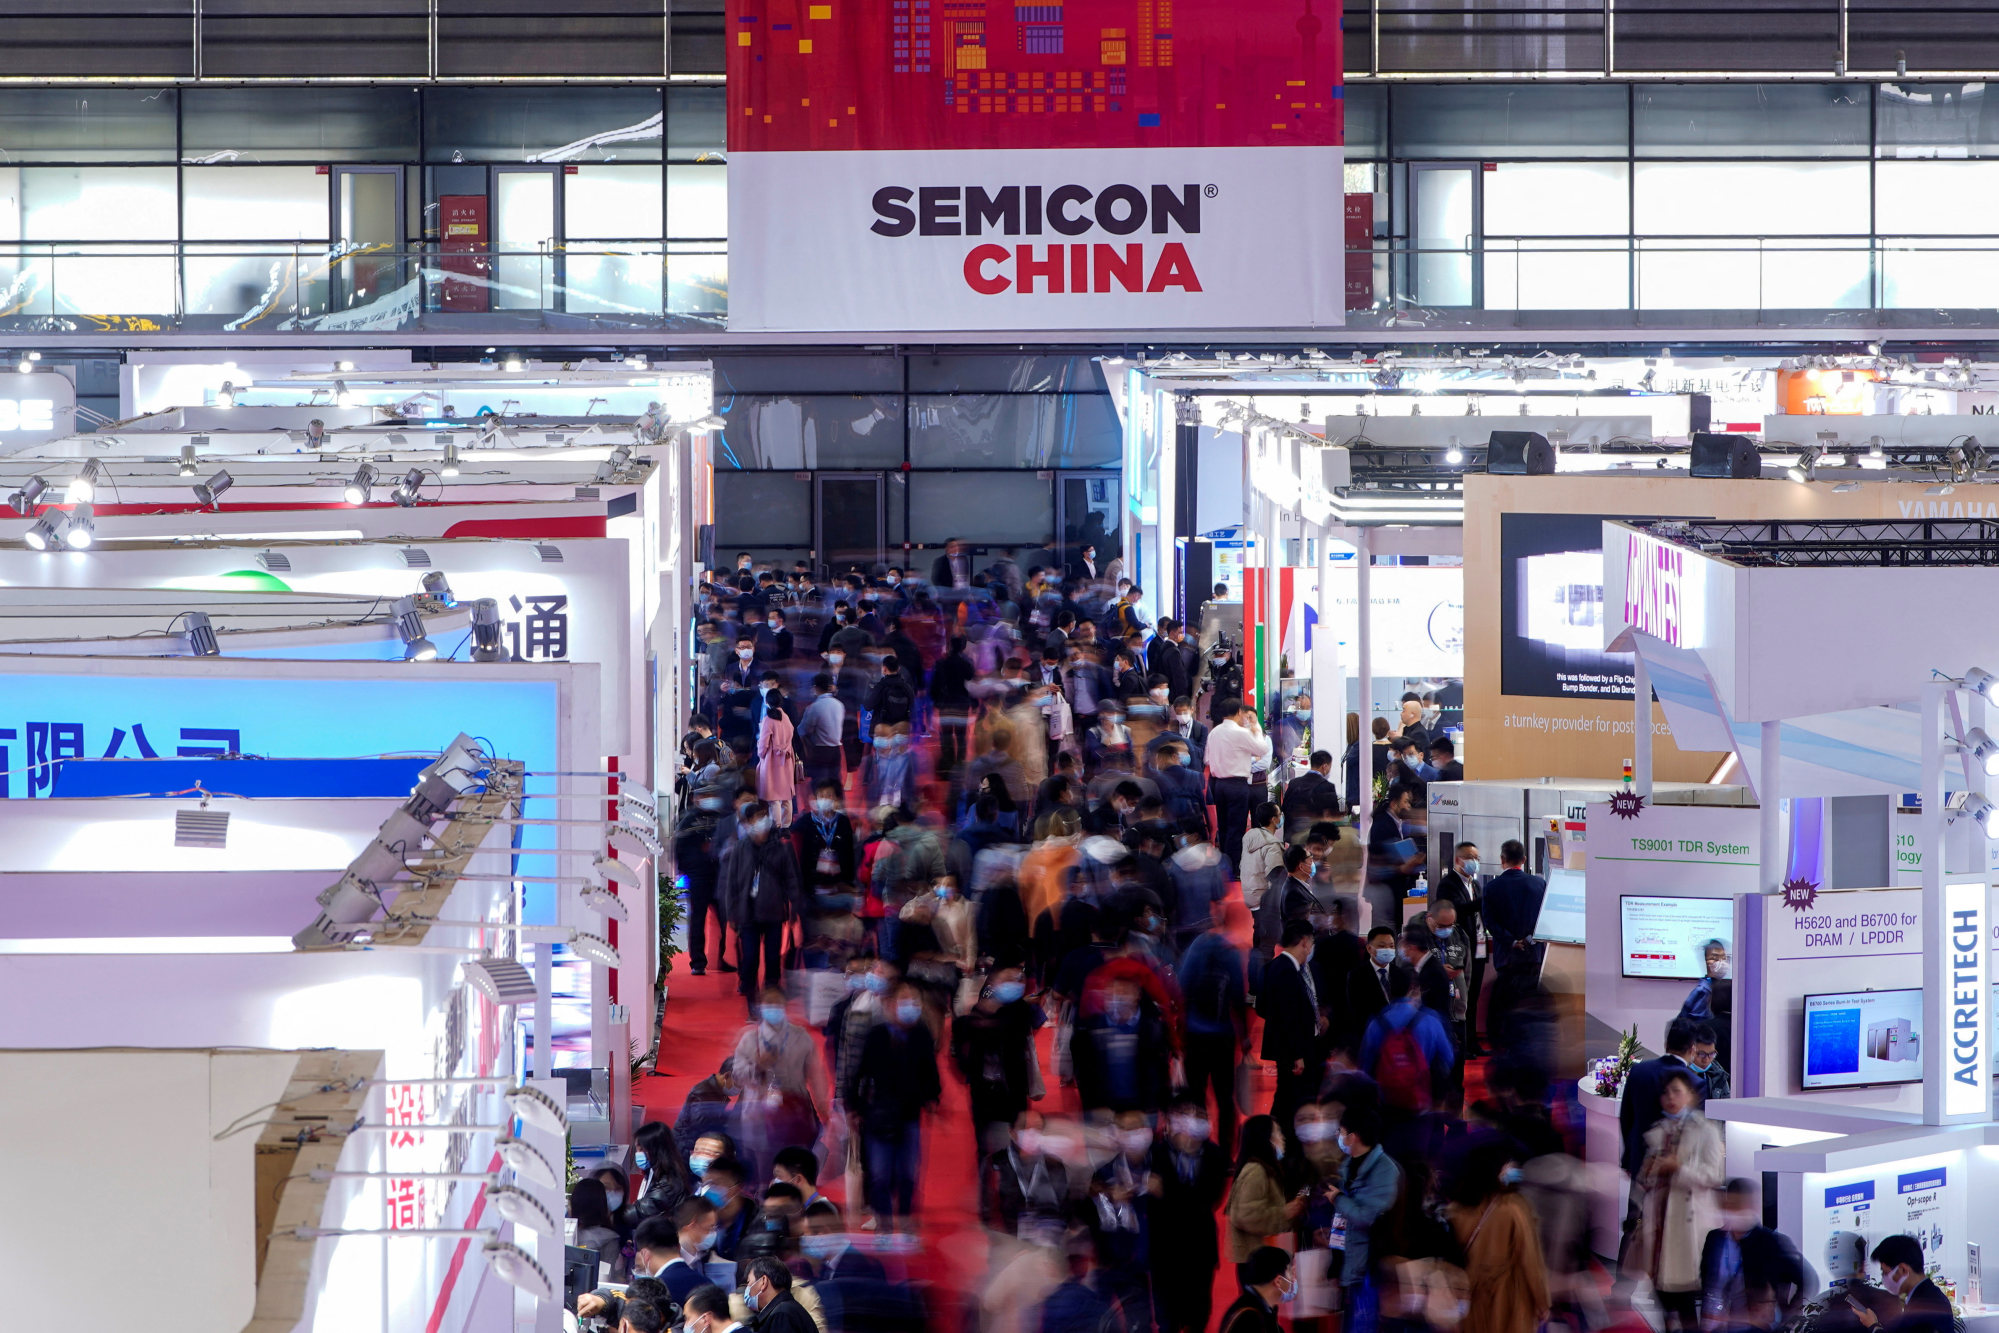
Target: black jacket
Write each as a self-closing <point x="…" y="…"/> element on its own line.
<point x="1094" y="1046"/>
<point x="1453" y="888"/>
<point x="1249" y="1315"/>
<point x="1163" y="657"/>
<point x="1348" y="990"/>
<point x="807" y="838"/>
<point x="694" y="849"/>
<point x="1771" y="1274"/>
<point x="1183" y="1215"/>
<point x="1435" y="985"/>
<point x="891" y="700"/>
<point x="1512" y="909"/>
<point x="1638" y="1109"/>
<point x="951" y="680"/>
<point x="783" y="1314"/>
<point x="1290" y="1019"/>
<point x="1310" y="797"/>
<point x="895" y="1079"/>
<point x="759" y="881"/>
<point x="1927" y="1311"/>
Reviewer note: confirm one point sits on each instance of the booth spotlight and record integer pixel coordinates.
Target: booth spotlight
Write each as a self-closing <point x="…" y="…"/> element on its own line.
<point x="26" y="365"/>
<point x="200" y="634"/>
<point x="1978" y="808"/>
<point x="83" y="486"/>
<point x="1519" y="453"/>
<point x="210" y="492"/>
<point x="1980" y="681"/>
<point x="603" y="900"/>
<point x="23" y="501"/>
<point x="342" y="395"/>
<point x="1732" y="456"/>
<point x="188" y="460"/>
<point x="512" y="365"/>
<point x="617" y="872"/>
<point x="1807" y="467"/>
<point x="488" y="642"/>
<point x="449" y="467"/>
<point x="409" y="628"/>
<point x="407" y="490"/>
<point x="47" y="531"/>
<point x="360" y="484"/>
<point x="226" y="395"/>
<point x="436" y="585"/>
<point x="518" y="1269"/>
<point x="1984" y="749"/>
<point x="522" y="1209"/>
<point x="81" y="530"/>
<point x="713" y="421"/>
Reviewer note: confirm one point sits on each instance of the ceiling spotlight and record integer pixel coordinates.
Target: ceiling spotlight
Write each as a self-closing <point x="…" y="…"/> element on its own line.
<point x="188" y="460"/>
<point x="210" y="492"/>
<point x="525" y="1159"/>
<point x="518" y="1269"/>
<point x="81" y="529"/>
<point x="595" y="949"/>
<point x="635" y="839"/>
<point x="1978" y="808"/>
<point x="449" y="468"/>
<point x="1807" y="466"/>
<point x="519" y="1207"/>
<point x="315" y="432"/>
<point x="1984" y="749"/>
<point x="359" y="485"/>
<point x="605" y="901"/>
<point x="26" y="365"/>
<point x="47" y="531"/>
<point x="343" y="366"/>
<point x="436" y="585"/>
<point x="488" y="643"/>
<point x="618" y="872"/>
<point x="512" y="365"/>
<point x="200" y="634"/>
<point x="409" y="628"/>
<point x="83" y="486"/>
<point x="537" y="1110"/>
<point x="1454" y="455"/>
<point x="406" y="491"/>
<point x="1980" y="681"/>
<point x="342" y="395"/>
<point x="226" y="395"/>
<point x="24" y="500"/>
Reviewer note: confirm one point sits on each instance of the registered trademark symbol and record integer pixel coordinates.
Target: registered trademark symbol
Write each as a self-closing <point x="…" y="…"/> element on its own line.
<point x="1211" y="190"/>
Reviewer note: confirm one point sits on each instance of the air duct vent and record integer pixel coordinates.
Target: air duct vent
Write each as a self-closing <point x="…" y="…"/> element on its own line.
<point x="201" y="828"/>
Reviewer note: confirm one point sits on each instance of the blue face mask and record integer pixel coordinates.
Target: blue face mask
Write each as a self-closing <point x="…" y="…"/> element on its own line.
<point x="909" y="1013"/>
<point x="714" y="1195"/>
<point x="698" y="1164"/>
<point x="1009" y="991"/>
<point x="772" y="1015"/>
<point x="1510" y="1176"/>
<point x="876" y="983"/>
<point x="1444" y="932"/>
<point x="640" y="1161"/>
<point x="1383" y="957"/>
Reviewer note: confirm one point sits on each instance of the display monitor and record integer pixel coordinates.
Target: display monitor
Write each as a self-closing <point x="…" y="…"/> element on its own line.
<point x="1562" y="909"/>
<point x="1665" y="937"/>
<point x="1857" y="1038"/>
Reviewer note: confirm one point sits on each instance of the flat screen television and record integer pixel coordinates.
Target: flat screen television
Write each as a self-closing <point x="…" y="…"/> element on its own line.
<point x="1856" y="1039"/>
<point x="1662" y="937"/>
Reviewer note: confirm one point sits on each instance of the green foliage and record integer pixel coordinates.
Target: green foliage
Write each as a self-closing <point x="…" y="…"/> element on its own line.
<point x="671" y="911"/>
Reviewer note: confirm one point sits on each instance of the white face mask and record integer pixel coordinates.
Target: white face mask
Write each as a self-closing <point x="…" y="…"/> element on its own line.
<point x="825" y="805"/>
<point x="746" y="653"/>
<point x="1719" y="969"/>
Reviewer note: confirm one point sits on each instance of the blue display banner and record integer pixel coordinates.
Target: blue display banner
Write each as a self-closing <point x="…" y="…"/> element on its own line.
<point x="1916" y="1181"/>
<point x="1839" y="1195"/>
<point x="263" y="778"/>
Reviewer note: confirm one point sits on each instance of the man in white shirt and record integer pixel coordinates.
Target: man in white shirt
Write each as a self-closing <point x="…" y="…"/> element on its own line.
<point x="1234" y="747"/>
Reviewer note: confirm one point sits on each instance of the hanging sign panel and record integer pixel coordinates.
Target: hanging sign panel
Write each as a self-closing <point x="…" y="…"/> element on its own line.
<point x="1091" y="164"/>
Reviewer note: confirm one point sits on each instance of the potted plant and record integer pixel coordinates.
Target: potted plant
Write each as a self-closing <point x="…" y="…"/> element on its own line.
<point x="672" y="910"/>
<point x="1606" y="1074"/>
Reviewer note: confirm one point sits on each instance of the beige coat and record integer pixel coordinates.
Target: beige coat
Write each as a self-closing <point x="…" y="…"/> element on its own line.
<point x="777" y="780"/>
<point x="1680" y="1207"/>
<point x="1255" y="1209"/>
<point x="1503" y="1266"/>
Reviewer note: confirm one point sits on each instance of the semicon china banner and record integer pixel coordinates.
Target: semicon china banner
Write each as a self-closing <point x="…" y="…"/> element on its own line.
<point x="1090" y="164"/>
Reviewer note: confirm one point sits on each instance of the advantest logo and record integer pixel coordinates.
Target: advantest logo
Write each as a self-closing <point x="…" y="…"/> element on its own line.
<point x="1055" y="267"/>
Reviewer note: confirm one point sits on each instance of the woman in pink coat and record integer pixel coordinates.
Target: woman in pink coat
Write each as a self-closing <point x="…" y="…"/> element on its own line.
<point x="776" y="776"/>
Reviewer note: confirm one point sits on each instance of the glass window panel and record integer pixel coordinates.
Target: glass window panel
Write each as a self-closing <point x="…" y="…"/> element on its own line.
<point x="542" y="124"/>
<point x="377" y="124"/>
<point x="1734" y="119"/>
<point x="254" y="204"/>
<point x="109" y="280"/>
<point x="1937" y="119"/>
<point x="772" y="508"/>
<point x="1939" y="274"/>
<point x="1014" y="430"/>
<point x="1741" y="274"/>
<point x="1366" y="120"/>
<point x="1018" y="374"/>
<point x="1014" y="508"/>
<point x="612" y="203"/>
<point x="1482" y="121"/>
<point x="1751" y="198"/>
<point x="1557" y="199"/>
<point x="614" y="279"/>
<point x="785" y="432"/>
<point x="696" y="121"/>
<point x="697" y="282"/>
<point x="1557" y="275"/>
<point x="99" y="204"/>
<point x="234" y="280"/>
<point x="87" y="124"/>
<point x="757" y="373"/>
<point x="697" y="202"/>
<point x="1937" y="198"/>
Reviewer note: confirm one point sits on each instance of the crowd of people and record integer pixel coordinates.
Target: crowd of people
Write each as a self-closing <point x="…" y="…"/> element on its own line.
<point x="1222" y="1046"/>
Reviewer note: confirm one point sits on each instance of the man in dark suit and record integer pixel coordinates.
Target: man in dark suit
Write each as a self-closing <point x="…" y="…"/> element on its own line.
<point x="1512" y="910"/>
<point x="1925" y="1309"/>
<point x="1638" y="1110"/>
<point x="1311" y="797"/>
<point x="1348" y="990"/>
<point x="1191" y="1175"/>
<point x="1751" y="1276"/>
<point x="1427" y="975"/>
<point x="1444" y="759"/>
<point x="1459" y="886"/>
<point x="741" y="703"/>
<point x="953" y="569"/>
<point x="1293" y="1025"/>
<point x="831" y="1251"/>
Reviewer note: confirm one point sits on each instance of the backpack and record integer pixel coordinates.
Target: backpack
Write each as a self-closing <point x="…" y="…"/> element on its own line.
<point x="1403" y="1071"/>
<point x="896" y="700"/>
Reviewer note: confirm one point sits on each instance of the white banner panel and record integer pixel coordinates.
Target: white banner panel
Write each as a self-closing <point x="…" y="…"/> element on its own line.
<point x="1113" y="238"/>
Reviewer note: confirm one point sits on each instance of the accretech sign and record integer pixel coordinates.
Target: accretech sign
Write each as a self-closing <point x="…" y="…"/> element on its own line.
<point x="1967" y="1063"/>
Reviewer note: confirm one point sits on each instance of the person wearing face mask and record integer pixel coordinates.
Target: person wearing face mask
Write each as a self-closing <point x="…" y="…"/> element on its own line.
<point x="1639" y="1109"/>
<point x="821" y="730"/>
<point x="1712" y="1000"/>
<point x="992" y="1047"/>
<point x="830" y="1251"/>
<point x="665" y="1182"/>
<point x="1460" y="885"/>
<point x="785" y="1096"/>
<point x="1408" y="1054"/>
<point x="589" y="1207"/>
<point x="1683" y="1168"/>
<point x="696" y="856"/>
<point x="1452" y="954"/>
<point x="1120" y="1195"/>
<point x="893" y="1084"/>
<point x="777" y="759"/>
<point x="1223" y="678"/>
<point x="1294" y="1022"/>
<point x="1925" y="1309"/>
<point x="1752" y="1277"/>
<point x="1367" y="1189"/>
<point x="774" y="1305"/>
<point x="654" y="1249"/>
<point x="741" y="700"/>
<point x="1267" y="1285"/>
<point x="1505" y="1271"/>
<point x="1706" y="1063"/>
<point x="706" y="1310"/>
<point x="761" y="893"/>
<point x="828" y="850"/>
<point x="773" y="640"/>
<point x="1170" y="656"/>
<point x="1189" y="1177"/>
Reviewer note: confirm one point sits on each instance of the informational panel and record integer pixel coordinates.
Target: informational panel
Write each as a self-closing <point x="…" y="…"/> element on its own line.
<point x="1924" y="1197"/>
<point x="1854" y="1039"/>
<point x="1666" y="937"/>
<point x="1419" y="619"/>
<point x="1564" y="916"/>
<point x="1097" y="164"/>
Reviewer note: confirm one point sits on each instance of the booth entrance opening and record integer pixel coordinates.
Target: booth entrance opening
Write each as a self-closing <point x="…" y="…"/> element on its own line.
<point x="1088" y="509"/>
<point x="847" y="518"/>
<point x="368" y="233"/>
<point x="1448" y="223"/>
<point x="527" y="238"/>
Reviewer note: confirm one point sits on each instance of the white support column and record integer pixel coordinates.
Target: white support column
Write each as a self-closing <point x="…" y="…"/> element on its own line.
<point x="1769" y="823"/>
<point x="1329" y="693"/>
<point x="1936" y="1008"/>
<point x="1641" y="726"/>
<point x="1364" y="651"/>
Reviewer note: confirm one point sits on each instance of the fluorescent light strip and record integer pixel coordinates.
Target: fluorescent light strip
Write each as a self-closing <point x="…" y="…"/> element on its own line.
<point x="155" y="944"/>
